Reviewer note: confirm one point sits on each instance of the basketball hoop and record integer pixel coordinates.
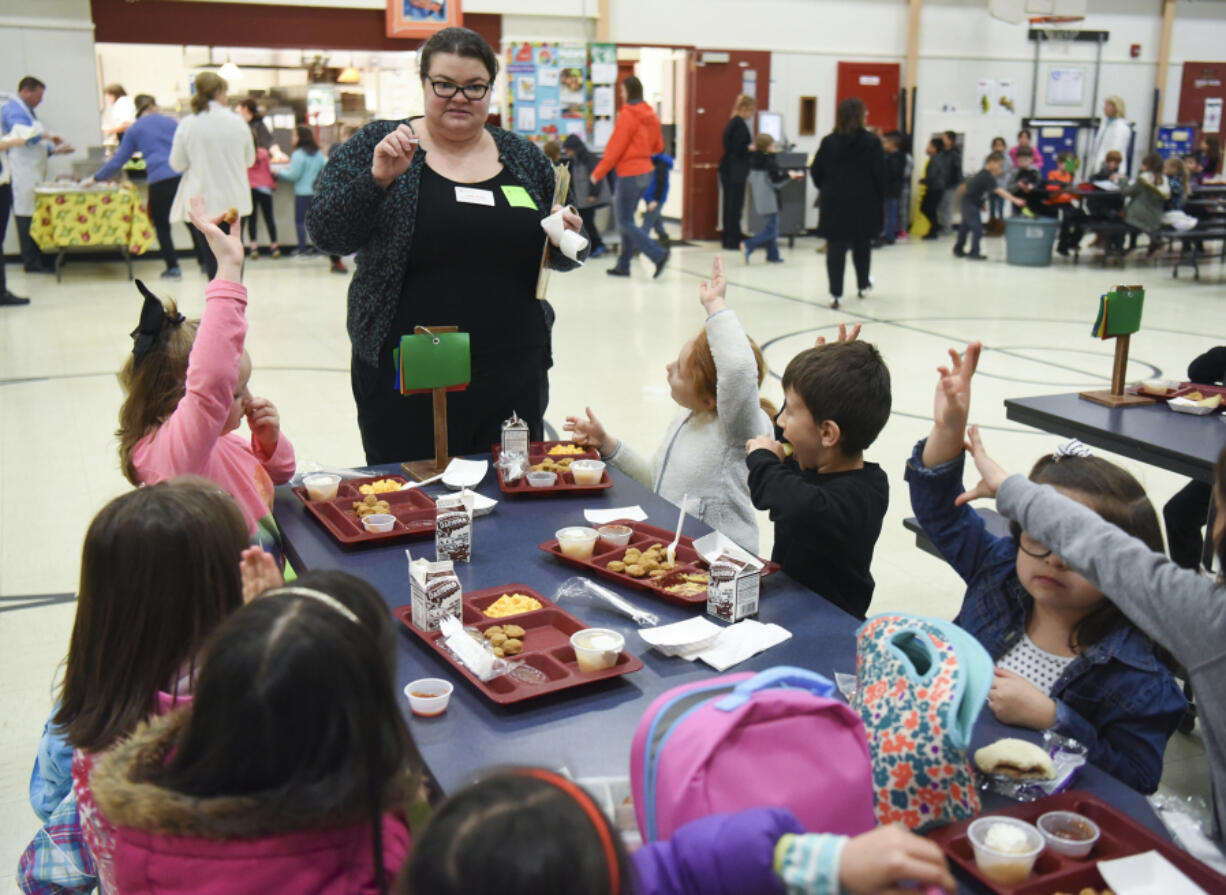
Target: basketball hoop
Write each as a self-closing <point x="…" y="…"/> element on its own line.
<point x="1050" y="28"/>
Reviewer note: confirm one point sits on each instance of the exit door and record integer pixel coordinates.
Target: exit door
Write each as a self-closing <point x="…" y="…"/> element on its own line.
<point x="876" y="83"/>
<point x="717" y="77"/>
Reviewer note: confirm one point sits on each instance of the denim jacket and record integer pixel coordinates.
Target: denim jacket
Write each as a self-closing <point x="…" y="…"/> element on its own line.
<point x="1116" y="697"/>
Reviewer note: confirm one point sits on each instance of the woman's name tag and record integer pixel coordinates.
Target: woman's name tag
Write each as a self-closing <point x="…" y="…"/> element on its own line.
<point x="472" y="196"/>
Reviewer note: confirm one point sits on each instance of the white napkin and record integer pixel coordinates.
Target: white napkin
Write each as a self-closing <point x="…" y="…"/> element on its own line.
<point x="570" y="242"/>
<point x="461" y="473"/>
<point x="719" y="647"/>
<point x="711" y="547"/>
<point x="604" y="517"/>
<point x="482" y="505"/>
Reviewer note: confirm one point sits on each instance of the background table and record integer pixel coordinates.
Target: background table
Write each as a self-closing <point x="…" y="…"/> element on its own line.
<point x="588" y="729"/>
<point x="1178" y="442"/>
<point x="88" y="220"/>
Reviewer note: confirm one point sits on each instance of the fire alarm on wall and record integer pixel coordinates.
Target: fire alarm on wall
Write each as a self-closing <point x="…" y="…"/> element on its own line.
<point x="1134" y="51"/>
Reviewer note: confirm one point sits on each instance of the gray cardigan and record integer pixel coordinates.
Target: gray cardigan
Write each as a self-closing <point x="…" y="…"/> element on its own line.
<point x="1179" y="608"/>
<point x="352" y="213"/>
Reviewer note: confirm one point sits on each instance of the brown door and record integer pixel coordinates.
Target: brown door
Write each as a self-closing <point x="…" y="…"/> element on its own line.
<point x="625" y="68"/>
<point x="716" y="79"/>
<point x="876" y="83"/>
<point x="1201" y="81"/>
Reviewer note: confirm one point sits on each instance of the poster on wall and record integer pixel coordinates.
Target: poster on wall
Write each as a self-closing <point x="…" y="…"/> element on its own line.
<point x="603" y="61"/>
<point x="1212" y="122"/>
<point x="994" y="97"/>
<point x="1066" y="86"/>
<point x="985" y="91"/>
<point x="421" y="18"/>
<point x="547" y="89"/>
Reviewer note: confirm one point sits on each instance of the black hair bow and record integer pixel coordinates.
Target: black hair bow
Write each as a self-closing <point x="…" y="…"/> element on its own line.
<point x="153" y="318"/>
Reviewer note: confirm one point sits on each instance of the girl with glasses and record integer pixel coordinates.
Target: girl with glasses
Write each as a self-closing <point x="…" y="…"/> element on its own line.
<point x="1066" y="658"/>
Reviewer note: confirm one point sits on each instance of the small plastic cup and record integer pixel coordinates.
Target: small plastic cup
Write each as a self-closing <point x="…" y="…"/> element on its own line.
<point x="429" y="696"/>
<point x="597" y="648"/>
<point x="577" y="542"/>
<point x="379" y="522"/>
<point x="1006" y="868"/>
<point x="587" y="472"/>
<point x="541" y="478"/>
<point x="1068" y="833"/>
<point x="615" y="535"/>
<point x="322" y="486"/>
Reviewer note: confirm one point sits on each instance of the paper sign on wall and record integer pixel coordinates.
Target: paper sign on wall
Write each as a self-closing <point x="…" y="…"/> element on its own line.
<point x="1212" y="122"/>
<point x="870" y="80"/>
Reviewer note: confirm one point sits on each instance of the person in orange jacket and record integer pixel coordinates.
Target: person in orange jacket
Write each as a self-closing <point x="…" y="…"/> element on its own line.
<point x="636" y="138"/>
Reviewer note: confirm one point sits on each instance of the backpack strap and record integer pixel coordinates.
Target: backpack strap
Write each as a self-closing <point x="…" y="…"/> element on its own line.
<point x="780" y="676"/>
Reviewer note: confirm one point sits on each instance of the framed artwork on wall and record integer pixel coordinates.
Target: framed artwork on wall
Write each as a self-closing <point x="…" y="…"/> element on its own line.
<point x="421" y="18"/>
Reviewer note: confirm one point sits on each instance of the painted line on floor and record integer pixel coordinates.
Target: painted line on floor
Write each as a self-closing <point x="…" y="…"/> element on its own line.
<point x="34" y="601"/>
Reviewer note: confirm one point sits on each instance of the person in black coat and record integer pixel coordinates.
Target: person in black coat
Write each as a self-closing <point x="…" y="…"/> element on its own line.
<point x="849" y="171"/>
<point x="1186" y="512"/>
<point x="734" y="169"/>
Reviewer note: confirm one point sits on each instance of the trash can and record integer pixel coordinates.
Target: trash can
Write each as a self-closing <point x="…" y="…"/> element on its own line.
<point x="1028" y="241"/>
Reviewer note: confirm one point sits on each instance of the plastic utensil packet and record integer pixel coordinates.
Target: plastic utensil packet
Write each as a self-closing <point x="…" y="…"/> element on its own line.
<point x="1068" y="756"/>
<point x="477" y="657"/>
<point x="583" y="589"/>
<point x="514" y="465"/>
<point x="846" y="684"/>
<point x="310" y="467"/>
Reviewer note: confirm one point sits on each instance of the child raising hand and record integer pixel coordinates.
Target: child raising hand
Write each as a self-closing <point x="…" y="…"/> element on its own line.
<point x="1066" y="657"/>
<point x="187" y="393"/>
<point x="715" y="379"/>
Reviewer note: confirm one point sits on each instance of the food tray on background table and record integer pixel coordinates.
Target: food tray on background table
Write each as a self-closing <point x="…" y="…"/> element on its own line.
<point x="1179" y="391"/>
<point x="414" y="512"/>
<point x="546" y="640"/>
<point x="538" y="451"/>
<point x="1121" y="836"/>
<point x="689" y="563"/>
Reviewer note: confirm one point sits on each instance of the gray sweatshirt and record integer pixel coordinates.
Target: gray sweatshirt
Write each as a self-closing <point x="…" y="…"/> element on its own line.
<point x="1179" y="608"/>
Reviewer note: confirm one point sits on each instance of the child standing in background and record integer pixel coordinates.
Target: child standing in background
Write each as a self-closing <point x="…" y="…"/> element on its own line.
<point x="996" y="202"/>
<point x="934" y="186"/>
<point x="263" y="185"/>
<point x="716" y="379"/>
<point x="304" y="167"/>
<point x="895" y="177"/>
<point x="765" y="182"/>
<point x="186" y="385"/>
<point x="656" y="195"/>
<point x="1066" y="658"/>
<point x="983" y="184"/>
<point x="826" y="501"/>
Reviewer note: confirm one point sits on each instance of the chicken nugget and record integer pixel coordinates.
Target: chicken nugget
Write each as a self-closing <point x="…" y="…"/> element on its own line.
<point x="498" y="639"/>
<point x="636" y="571"/>
<point x="498" y="651"/>
<point x="231" y="215"/>
<point x="513" y="647"/>
<point x="492" y="630"/>
<point x="649" y="563"/>
<point x="515" y="632"/>
<point x="658" y="573"/>
<point x="616" y="566"/>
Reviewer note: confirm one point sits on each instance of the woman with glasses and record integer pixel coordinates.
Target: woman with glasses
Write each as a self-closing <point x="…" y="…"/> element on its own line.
<point x="444" y="213"/>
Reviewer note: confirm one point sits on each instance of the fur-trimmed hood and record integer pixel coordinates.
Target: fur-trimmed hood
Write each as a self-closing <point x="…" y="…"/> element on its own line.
<point x="169" y="843"/>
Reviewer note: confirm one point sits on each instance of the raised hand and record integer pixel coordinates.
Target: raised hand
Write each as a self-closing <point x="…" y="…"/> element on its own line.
<point x="951" y="406"/>
<point x="393" y="155"/>
<point x="227" y="247"/>
<point x="845" y="335"/>
<point x="711" y="294"/>
<point x="992" y="474"/>
<point x="590" y="431"/>
<point x="259" y="572"/>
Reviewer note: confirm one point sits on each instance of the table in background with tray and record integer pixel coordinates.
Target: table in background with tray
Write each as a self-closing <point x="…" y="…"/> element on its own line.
<point x="588" y="729"/>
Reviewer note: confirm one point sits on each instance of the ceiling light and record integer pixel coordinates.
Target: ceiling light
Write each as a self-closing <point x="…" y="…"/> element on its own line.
<point x="230" y="71"/>
<point x="349" y="76"/>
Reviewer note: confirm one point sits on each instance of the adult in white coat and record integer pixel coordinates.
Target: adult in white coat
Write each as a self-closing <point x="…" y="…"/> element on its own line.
<point x="1114" y="133"/>
<point x="28" y="161"/>
<point x="212" y="149"/>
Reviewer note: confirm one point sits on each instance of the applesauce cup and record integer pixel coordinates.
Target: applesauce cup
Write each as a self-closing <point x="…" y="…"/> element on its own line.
<point x="587" y="472"/>
<point x="1006" y="868"/>
<point x="577" y="542"/>
<point x="322" y="486"/>
<point x="597" y="648"/>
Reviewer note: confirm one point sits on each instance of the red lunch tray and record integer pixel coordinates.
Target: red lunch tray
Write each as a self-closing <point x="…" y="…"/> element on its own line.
<point x="1182" y="389"/>
<point x="565" y="484"/>
<point x="644" y="536"/>
<point x="1121" y="836"/>
<point x="413" y="510"/>
<point x="546" y="646"/>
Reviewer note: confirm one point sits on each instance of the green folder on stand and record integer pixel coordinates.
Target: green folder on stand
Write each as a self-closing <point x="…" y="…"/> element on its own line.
<point x="429" y="360"/>
<point x="1119" y="312"/>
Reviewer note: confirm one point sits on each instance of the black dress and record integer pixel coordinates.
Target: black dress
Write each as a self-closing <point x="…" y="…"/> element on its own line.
<point x="733" y="175"/>
<point x="474" y="266"/>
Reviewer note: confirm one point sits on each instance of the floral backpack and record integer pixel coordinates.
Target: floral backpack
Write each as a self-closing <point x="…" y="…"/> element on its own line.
<point x="920" y="684"/>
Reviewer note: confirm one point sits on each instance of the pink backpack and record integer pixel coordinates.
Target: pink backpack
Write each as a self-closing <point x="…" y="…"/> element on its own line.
<point x="749" y="740"/>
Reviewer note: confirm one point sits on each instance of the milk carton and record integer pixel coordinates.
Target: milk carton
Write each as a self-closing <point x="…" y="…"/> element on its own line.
<point x="453" y="528"/>
<point x="732" y="593"/>
<point x="515" y="435"/>
<point x="435" y="593"/>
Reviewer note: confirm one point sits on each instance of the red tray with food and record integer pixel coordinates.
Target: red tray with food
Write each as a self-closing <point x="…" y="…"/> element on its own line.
<point x="1119" y="836"/>
<point x="555" y="457"/>
<point x="544" y="637"/>
<point x="1194" y="391"/>
<point x="685" y="583"/>
<point x="411" y="512"/>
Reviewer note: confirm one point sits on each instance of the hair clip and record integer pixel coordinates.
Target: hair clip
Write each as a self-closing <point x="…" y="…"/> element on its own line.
<point x="1070" y="448"/>
<point x="153" y="317"/>
<point x="318" y="596"/>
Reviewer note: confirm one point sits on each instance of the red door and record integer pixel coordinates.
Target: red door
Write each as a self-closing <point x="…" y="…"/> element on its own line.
<point x="717" y="77"/>
<point x="1201" y="81"/>
<point x="876" y="83"/>
<point x="624" y="70"/>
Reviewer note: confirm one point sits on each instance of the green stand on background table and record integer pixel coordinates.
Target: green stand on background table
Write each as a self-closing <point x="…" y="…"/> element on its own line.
<point x="1119" y="316"/>
<point x="434" y="359"/>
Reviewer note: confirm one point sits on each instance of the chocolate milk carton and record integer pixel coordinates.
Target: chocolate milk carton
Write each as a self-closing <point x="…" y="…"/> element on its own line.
<point x="453" y="529"/>
<point x="435" y="593"/>
<point x="515" y="435"/>
<point x="732" y="593"/>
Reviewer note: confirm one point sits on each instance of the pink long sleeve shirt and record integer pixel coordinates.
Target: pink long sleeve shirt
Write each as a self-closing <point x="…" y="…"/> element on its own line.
<point x="191" y="441"/>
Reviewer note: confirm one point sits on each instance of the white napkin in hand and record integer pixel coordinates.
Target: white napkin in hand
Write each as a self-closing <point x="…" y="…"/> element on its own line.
<point x="605" y="516"/>
<point x="570" y="242"/>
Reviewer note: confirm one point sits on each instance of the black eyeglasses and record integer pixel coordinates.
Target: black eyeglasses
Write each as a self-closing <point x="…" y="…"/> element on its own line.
<point x="1031" y="547"/>
<point x="446" y="90"/>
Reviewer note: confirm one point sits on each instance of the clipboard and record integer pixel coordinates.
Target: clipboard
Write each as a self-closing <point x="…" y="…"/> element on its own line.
<point x="561" y="188"/>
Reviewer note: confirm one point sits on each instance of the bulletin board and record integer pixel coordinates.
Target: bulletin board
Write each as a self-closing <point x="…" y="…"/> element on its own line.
<point x="547" y="87"/>
<point x="603" y="84"/>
